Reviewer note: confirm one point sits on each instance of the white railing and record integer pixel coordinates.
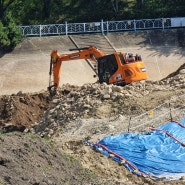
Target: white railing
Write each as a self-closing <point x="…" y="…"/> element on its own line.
<point x="102" y="26"/>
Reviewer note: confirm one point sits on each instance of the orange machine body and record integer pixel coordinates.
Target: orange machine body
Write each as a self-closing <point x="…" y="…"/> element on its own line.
<point x="117" y="68"/>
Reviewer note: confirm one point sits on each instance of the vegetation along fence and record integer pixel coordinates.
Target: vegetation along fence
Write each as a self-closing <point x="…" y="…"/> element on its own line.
<point x="102" y="26"/>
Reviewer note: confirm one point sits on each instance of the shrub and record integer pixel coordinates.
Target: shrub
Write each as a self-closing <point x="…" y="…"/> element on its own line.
<point x="10" y="34"/>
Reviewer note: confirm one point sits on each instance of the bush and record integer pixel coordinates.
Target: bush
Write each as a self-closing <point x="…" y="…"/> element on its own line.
<point x="4" y="41"/>
<point x="10" y="34"/>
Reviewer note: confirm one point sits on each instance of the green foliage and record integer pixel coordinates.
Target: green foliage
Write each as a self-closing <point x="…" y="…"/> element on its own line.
<point x="4" y="41"/>
<point x="10" y="34"/>
<point x="69" y="157"/>
<point x="28" y="12"/>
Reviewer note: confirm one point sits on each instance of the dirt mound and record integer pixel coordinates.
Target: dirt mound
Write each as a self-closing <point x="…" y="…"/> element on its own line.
<point x="28" y="159"/>
<point x="104" y="101"/>
<point x="20" y="111"/>
<point x="180" y="70"/>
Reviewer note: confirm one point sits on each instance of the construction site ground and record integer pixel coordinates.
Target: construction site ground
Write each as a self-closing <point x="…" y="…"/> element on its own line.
<point x="37" y="147"/>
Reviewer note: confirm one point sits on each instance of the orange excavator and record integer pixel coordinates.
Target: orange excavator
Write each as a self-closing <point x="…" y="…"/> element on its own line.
<point x="117" y="68"/>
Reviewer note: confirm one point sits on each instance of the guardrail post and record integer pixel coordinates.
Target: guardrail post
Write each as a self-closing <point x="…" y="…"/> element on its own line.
<point x="40" y="30"/>
<point x="134" y="25"/>
<point x="171" y="118"/>
<point x="102" y="27"/>
<point x="66" y="28"/>
<point x="163" y="23"/>
<point x="129" y="124"/>
<point x="84" y="27"/>
<point x="22" y="30"/>
<point x="107" y="26"/>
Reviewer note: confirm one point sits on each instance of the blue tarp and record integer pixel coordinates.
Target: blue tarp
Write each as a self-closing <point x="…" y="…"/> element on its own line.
<point x="154" y="153"/>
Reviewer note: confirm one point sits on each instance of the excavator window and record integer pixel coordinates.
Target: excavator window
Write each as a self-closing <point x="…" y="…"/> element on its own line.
<point x="122" y="59"/>
<point x="107" y="66"/>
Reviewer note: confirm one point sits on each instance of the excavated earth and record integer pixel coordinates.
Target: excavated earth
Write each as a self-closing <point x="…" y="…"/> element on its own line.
<point x="42" y="137"/>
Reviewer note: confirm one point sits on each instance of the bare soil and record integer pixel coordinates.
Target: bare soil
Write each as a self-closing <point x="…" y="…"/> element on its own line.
<point x="31" y="160"/>
<point x="20" y="111"/>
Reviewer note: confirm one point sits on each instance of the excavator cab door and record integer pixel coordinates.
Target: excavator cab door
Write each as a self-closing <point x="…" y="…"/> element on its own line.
<point x="107" y="66"/>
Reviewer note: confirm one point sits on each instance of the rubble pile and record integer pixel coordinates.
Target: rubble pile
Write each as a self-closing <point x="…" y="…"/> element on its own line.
<point x="101" y="101"/>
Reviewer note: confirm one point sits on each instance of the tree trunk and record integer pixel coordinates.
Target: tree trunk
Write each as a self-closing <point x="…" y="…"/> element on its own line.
<point x="140" y="4"/>
<point x="46" y="8"/>
<point x="115" y="5"/>
<point x="1" y="9"/>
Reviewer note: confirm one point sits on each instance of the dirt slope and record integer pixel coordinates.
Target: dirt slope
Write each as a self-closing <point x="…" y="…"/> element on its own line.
<point x="31" y="160"/>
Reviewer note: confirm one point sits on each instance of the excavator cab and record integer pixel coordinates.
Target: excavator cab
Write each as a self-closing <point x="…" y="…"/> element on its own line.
<point x="119" y="69"/>
<point x="107" y="66"/>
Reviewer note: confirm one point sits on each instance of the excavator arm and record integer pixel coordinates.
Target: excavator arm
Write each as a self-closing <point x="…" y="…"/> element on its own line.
<point x="91" y="53"/>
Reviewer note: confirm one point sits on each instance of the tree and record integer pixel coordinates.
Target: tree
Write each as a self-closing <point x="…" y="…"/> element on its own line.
<point x="4" y="41"/>
<point x="115" y="5"/>
<point x="140" y="4"/>
<point x="10" y="34"/>
<point x="46" y="8"/>
<point x="4" y="5"/>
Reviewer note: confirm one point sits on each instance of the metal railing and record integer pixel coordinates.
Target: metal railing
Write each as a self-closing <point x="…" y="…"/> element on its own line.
<point x="102" y="26"/>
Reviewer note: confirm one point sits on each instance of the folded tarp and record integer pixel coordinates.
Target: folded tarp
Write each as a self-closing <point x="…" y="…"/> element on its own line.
<point x="158" y="153"/>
